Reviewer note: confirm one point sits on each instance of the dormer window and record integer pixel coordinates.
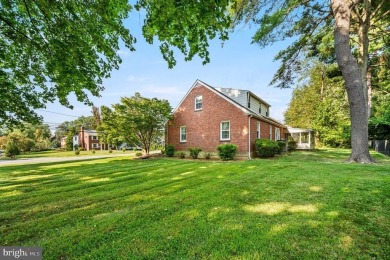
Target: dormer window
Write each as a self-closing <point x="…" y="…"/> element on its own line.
<point x="198" y="103"/>
<point x="249" y="102"/>
<point x="260" y="109"/>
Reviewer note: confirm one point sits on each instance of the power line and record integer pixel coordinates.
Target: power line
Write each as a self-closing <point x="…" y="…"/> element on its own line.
<point x="56" y="113"/>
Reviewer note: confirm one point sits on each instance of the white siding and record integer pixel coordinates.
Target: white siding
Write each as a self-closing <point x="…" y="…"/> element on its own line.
<point x="240" y="96"/>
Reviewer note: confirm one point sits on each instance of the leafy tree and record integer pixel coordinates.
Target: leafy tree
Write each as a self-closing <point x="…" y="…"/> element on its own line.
<point x="137" y="119"/>
<point x="11" y="149"/>
<point x="52" y="48"/>
<point x="321" y="104"/>
<point x="69" y="141"/>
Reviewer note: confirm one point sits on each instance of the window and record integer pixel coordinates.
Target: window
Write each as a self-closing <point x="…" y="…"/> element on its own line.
<point x="183" y="134"/>
<point x="249" y="102"/>
<point x="277" y="134"/>
<point x="198" y="103"/>
<point x="267" y="113"/>
<point x="258" y="129"/>
<point x="225" y="130"/>
<point x="260" y="109"/>
<point x="95" y="145"/>
<point x="270" y="132"/>
<point x="94" y="137"/>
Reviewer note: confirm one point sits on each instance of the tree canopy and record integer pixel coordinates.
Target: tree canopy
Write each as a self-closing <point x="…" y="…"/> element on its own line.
<point x="135" y="119"/>
<point x="49" y="49"/>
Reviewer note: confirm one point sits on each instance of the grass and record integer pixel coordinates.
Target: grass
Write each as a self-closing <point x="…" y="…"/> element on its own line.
<point x="58" y="153"/>
<point x="302" y="205"/>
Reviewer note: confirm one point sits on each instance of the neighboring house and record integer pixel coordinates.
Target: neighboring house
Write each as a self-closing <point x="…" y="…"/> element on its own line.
<point x="75" y="141"/>
<point x="207" y="117"/>
<point x="63" y="143"/>
<point x="89" y="139"/>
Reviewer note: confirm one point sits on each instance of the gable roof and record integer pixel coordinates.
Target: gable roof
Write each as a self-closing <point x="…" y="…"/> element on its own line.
<point x="230" y="100"/>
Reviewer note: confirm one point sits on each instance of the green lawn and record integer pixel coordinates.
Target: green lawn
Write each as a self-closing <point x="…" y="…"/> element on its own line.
<point x="307" y="205"/>
<point x="58" y="153"/>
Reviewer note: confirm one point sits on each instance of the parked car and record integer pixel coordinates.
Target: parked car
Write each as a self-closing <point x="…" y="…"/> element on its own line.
<point x="134" y="148"/>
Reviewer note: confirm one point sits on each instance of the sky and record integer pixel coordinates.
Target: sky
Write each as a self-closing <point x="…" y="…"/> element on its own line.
<point x="234" y="64"/>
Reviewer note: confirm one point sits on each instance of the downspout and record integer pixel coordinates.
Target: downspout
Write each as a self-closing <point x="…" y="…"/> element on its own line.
<point x="249" y="137"/>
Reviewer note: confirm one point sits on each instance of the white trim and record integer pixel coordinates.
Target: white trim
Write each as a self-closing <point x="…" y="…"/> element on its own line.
<point x="270" y="132"/>
<point x="181" y="133"/>
<point x="277" y="133"/>
<point x="220" y="131"/>
<point x="201" y="102"/>
<point x="258" y="129"/>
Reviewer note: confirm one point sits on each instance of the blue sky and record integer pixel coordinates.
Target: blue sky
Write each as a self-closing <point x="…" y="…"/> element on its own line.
<point x="238" y="64"/>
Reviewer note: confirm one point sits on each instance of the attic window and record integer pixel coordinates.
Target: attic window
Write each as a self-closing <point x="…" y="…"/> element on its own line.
<point x="198" y="103"/>
<point x="260" y="109"/>
<point x="249" y="102"/>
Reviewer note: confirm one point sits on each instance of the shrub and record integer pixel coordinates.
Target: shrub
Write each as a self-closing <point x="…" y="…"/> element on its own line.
<point x="77" y="151"/>
<point x="282" y="145"/>
<point x="292" y="145"/>
<point x="170" y="150"/>
<point x="266" y="148"/>
<point x="93" y="151"/>
<point x="207" y="155"/>
<point x="109" y="150"/>
<point x="138" y="154"/>
<point x="123" y="149"/>
<point x="227" y="151"/>
<point x="194" y="152"/>
<point x="11" y="149"/>
<point x="181" y="155"/>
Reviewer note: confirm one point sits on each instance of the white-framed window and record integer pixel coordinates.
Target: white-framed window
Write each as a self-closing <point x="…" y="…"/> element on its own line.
<point x="277" y="134"/>
<point x="270" y="132"/>
<point x="94" y="137"/>
<point x="198" y="103"/>
<point x="95" y="145"/>
<point x="258" y="130"/>
<point x="225" y="130"/>
<point x="183" y="134"/>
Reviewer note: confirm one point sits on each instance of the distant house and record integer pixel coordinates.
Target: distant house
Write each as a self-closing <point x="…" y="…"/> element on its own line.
<point x="89" y="139"/>
<point x="207" y="117"/>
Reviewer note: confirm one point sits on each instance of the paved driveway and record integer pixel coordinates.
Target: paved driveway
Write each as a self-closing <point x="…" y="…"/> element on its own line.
<point x="24" y="161"/>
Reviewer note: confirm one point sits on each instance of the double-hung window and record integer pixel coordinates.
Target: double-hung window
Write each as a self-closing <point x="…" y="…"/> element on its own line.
<point x="258" y="130"/>
<point x="183" y="134"/>
<point x="225" y="130"/>
<point x="198" y="103"/>
<point x="270" y="132"/>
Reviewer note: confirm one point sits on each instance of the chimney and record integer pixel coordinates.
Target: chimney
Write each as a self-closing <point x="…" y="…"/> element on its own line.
<point x="82" y="137"/>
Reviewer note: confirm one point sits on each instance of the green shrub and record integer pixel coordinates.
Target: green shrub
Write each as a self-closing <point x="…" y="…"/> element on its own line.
<point x="181" y="155"/>
<point x="282" y="145"/>
<point x="77" y="151"/>
<point x="11" y="149"/>
<point x="170" y="150"/>
<point x="93" y="151"/>
<point x="292" y="145"/>
<point x="138" y="154"/>
<point x="266" y="148"/>
<point x="194" y="152"/>
<point x="123" y="149"/>
<point x="227" y="151"/>
<point x="109" y="150"/>
<point x="207" y="155"/>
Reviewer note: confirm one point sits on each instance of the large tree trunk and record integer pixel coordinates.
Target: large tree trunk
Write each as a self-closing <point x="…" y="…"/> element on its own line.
<point x="353" y="81"/>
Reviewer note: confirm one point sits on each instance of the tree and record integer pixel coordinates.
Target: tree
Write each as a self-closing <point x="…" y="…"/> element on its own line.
<point x="278" y="20"/>
<point x="138" y="119"/>
<point x="52" y="48"/>
<point x="321" y="104"/>
<point x="69" y="141"/>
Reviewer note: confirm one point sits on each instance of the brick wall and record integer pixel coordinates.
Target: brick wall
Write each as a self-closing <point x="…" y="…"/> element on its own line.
<point x="203" y="126"/>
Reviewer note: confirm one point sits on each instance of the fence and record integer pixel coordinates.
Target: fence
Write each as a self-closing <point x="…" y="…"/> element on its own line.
<point x="381" y="146"/>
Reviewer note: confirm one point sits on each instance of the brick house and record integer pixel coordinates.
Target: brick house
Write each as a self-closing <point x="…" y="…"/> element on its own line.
<point x="207" y="117"/>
